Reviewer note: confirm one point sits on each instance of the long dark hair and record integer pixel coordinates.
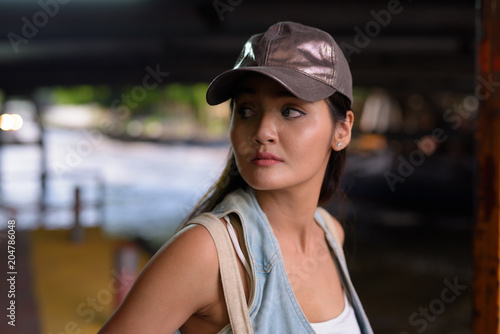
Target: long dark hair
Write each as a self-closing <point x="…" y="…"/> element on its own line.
<point x="231" y="180"/>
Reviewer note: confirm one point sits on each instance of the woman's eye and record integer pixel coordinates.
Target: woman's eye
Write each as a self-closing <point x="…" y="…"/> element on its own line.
<point x="245" y="112"/>
<point x="292" y="113"/>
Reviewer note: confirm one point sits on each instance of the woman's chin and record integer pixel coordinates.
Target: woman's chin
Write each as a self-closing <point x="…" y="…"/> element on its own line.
<point x="267" y="183"/>
<point x="263" y="184"/>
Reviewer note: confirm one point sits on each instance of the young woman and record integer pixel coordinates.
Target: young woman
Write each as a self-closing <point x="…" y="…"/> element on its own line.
<point x="290" y="93"/>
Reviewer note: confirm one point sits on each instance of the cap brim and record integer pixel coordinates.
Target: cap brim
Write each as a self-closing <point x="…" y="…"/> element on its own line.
<point x="223" y="87"/>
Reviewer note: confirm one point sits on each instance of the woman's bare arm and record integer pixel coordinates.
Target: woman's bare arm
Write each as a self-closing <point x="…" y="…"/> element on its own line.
<point x="181" y="279"/>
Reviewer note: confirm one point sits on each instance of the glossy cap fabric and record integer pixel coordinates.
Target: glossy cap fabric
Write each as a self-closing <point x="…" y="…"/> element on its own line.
<point x="305" y="60"/>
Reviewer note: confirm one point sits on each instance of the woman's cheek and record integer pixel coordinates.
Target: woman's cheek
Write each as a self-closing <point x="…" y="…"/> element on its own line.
<point x="241" y="147"/>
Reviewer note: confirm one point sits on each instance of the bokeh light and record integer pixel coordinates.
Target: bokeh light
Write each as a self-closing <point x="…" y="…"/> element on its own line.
<point x="10" y="122"/>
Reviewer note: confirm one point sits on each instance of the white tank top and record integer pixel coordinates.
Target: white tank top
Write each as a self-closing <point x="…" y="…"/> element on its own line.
<point x="344" y="323"/>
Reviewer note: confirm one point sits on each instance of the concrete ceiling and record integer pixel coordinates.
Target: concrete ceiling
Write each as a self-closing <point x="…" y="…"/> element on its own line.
<point x="422" y="46"/>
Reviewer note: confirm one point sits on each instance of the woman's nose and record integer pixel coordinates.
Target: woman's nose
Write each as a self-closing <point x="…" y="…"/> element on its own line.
<point x="266" y="130"/>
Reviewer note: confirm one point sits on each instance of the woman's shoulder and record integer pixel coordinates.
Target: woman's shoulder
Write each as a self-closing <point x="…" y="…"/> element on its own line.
<point x="193" y="242"/>
<point x="190" y="255"/>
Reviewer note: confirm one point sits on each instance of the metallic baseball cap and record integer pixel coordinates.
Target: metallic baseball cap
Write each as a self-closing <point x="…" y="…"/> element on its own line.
<point x="305" y="60"/>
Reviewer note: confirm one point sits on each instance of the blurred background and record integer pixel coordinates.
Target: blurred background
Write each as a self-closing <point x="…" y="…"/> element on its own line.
<point x="107" y="143"/>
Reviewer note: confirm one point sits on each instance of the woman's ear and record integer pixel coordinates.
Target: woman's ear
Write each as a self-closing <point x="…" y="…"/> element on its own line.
<point x="342" y="135"/>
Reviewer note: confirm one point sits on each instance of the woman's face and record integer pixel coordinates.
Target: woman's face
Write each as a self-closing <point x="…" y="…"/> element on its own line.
<point x="279" y="140"/>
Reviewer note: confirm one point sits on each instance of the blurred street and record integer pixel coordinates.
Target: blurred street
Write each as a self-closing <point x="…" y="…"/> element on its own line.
<point x="146" y="188"/>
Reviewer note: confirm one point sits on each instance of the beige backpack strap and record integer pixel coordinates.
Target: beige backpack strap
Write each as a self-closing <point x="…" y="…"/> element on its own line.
<point x="330" y="224"/>
<point x="230" y="275"/>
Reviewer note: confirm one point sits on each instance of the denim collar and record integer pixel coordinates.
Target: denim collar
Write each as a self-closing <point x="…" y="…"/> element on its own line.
<point x="257" y="230"/>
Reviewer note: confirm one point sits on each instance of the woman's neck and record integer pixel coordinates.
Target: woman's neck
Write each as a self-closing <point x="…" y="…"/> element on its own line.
<point x="291" y="215"/>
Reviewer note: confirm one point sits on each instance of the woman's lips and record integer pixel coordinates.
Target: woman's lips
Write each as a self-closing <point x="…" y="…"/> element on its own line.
<point x="265" y="159"/>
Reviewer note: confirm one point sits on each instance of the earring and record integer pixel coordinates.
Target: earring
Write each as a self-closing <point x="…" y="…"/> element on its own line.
<point x="339" y="145"/>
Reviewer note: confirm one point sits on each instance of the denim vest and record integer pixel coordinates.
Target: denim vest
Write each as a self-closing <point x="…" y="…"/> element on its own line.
<point x="273" y="307"/>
